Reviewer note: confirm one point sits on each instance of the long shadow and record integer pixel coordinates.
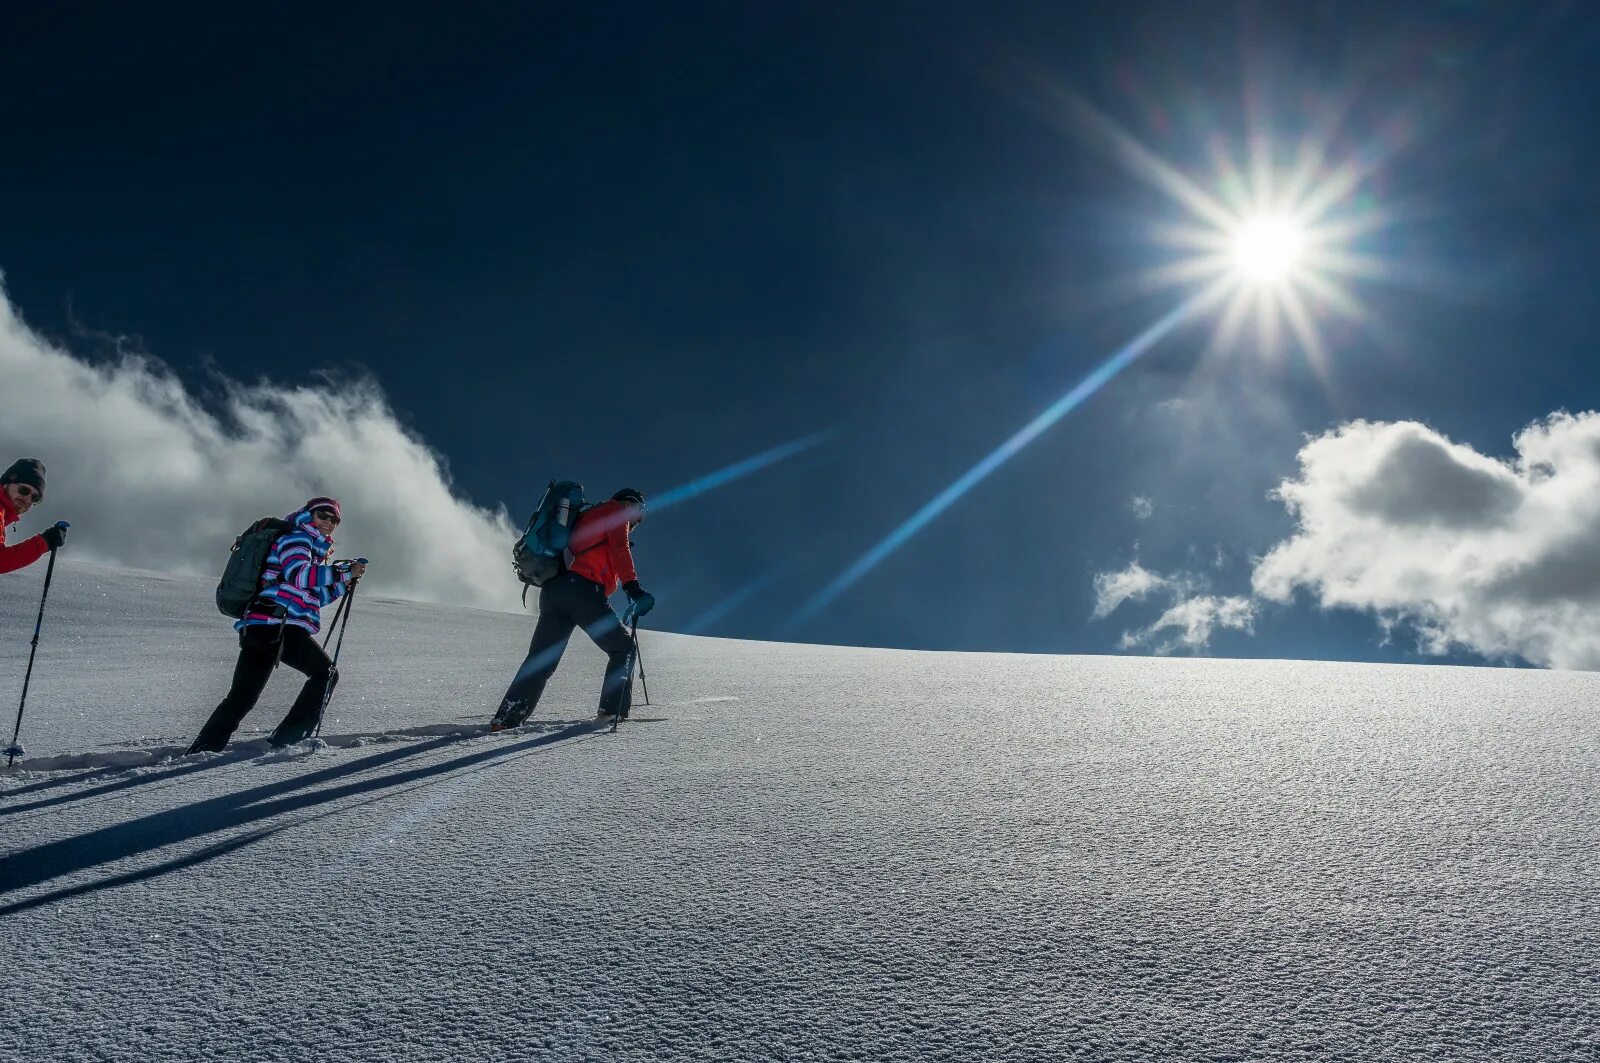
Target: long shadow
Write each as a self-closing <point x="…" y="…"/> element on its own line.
<point x="42" y="863"/>
<point x="147" y="774"/>
<point x="199" y="856"/>
<point x="227" y="845"/>
<point x="173" y="771"/>
<point x="77" y="776"/>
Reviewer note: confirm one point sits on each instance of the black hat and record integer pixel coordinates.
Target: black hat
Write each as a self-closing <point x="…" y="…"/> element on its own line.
<point x="28" y="471"/>
<point x="629" y="494"/>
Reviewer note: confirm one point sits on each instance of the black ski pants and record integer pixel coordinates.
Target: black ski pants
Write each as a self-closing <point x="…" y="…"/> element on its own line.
<point x="259" y="649"/>
<point x="569" y="601"/>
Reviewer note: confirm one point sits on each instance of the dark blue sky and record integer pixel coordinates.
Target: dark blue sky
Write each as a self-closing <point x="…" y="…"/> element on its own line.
<point x="630" y="244"/>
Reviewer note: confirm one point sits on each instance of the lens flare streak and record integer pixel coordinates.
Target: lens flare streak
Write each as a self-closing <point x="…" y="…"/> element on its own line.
<point x="1064" y="405"/>
<point x="738" y="470"/>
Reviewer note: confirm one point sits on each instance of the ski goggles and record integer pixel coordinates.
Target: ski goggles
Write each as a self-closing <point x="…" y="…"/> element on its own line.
<point x="30" y="493"/>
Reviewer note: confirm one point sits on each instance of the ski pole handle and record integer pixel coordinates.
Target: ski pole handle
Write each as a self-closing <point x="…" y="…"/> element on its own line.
<point x="55" y="537"/>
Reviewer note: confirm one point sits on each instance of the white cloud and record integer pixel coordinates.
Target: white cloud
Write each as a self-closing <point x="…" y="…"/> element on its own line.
<point x="1143" y="508"/>
<point x="1134" y="583"/>
<point x="1190" y="618"/>
<point x="152" y="478"/>
<point x="1498" y="557"/>
<point x="1193" y="619"/>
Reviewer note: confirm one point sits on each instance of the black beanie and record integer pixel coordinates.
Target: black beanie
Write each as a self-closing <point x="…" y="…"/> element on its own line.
<point x="28" y="471"/>
<point x="629" y="494"/>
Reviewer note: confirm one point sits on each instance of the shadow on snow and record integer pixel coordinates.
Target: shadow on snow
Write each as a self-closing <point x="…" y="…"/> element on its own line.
<point x="42" y="863"/>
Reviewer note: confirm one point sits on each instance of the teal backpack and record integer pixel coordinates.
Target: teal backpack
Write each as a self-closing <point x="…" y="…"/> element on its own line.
<point x="540" y="553"/>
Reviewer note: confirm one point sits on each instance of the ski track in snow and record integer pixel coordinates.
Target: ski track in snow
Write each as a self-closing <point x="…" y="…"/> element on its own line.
<point x="838" y="855"/>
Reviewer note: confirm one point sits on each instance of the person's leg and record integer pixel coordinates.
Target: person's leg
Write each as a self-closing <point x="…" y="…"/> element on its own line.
<point x="301" y="652"/>
<point x="550" y="637"/>
<point x="600" y="623"/>
<point x="258" y="654"/>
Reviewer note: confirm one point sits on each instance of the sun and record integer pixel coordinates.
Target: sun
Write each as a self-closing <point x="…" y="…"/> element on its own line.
<point x="1270" y="234"/>
<point x="1267" y="249"/>
<point x="1273" y="250"/>
<point x="1274" y="245"/>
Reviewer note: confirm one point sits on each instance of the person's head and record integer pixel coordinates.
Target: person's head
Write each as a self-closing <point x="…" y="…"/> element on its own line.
<point x="325" y="514"/>
<point x="633" y="499"/>
<point x="24" y="483"/>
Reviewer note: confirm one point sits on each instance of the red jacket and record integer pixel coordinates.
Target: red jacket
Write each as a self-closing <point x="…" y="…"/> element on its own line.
<point x="28" y="550"/>
<point x="599" y="545"/>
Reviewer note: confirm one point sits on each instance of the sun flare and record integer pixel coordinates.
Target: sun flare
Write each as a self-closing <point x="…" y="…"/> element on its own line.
<point x="1271" y="234"/>
<point x="1268" y="249"/>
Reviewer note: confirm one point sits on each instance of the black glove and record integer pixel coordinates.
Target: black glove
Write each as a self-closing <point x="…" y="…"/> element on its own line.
<point x="54" y="536"/>
<point x="640" y="601"/>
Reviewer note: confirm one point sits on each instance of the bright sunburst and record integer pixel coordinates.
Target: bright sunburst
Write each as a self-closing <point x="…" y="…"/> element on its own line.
<point x="1269" y="235"/>
<point x="1267" y="249"/>
<point x="1272" y="248"/>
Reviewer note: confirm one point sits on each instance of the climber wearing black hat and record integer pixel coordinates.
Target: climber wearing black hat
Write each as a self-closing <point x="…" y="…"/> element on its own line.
<point x="22" y="488"/>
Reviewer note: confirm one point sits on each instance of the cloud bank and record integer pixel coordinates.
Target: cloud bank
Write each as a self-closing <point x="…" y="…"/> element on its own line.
<point x="152" y="477"/>
<point x="1498" y="557"/>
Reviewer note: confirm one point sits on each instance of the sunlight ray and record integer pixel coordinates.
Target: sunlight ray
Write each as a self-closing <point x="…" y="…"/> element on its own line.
<point x="1008" y="449"/>
<point x="1305" y="332"/>
<point x="738" y="470"/>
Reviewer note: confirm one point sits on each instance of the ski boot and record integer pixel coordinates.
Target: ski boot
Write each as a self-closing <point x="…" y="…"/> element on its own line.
<point x="511" y="714"/>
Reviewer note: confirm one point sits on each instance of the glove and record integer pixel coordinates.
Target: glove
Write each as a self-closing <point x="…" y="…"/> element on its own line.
<point x="54" y="536"/>
<point x="640" y="601"/>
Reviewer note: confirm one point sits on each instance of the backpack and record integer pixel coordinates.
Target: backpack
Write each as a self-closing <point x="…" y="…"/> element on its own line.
<point x="540" y="554"/>
<point x="241" y="577"/>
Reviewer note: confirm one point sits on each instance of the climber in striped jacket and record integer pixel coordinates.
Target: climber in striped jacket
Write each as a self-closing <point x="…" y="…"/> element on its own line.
<point x="297" y="581"/>
<point x="281" y="625"/>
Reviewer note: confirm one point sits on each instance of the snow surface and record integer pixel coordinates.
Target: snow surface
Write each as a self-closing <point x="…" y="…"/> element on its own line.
<point x="799" y="853"/>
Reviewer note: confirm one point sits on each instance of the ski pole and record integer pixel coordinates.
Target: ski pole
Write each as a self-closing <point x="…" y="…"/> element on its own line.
<point x="14" y="750"/>
<point x="643" y="682"/>
<point x="337" y="615"/>
<point x="341" y="620"/>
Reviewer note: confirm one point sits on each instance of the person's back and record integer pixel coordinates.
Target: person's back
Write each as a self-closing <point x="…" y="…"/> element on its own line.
<point x="601" y="550"/>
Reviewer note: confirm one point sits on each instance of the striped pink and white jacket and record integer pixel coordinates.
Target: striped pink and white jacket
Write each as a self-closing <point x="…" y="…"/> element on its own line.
<point x="297" y="581"/>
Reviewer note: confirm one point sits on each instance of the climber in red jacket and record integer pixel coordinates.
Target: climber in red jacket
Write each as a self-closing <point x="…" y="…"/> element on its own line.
<point x="602" y="558"/>
<point x="22" y="488"/>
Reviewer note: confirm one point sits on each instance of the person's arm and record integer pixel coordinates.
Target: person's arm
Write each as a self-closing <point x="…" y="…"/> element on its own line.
<point x="332" y="592"/>
<point x="640" y="600"/>
<point x="301" y="571"/>
<point x="22" y="554"/>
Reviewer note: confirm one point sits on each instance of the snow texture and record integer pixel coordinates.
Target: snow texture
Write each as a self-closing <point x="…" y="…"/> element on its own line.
<point x="799" y="853"/>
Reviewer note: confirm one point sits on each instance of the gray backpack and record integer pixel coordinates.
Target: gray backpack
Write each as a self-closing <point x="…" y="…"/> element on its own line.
<point x="241" y="577"/>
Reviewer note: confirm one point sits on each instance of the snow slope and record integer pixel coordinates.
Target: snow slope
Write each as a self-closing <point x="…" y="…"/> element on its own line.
<point x="802" y="853"/>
